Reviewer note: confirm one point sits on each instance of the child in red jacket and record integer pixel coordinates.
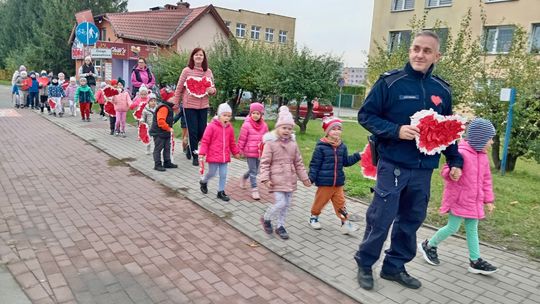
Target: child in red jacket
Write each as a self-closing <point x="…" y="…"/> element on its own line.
<point x="216" y="147"/>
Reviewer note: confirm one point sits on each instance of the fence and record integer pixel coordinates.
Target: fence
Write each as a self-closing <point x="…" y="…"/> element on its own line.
<point x="348" y="101"/>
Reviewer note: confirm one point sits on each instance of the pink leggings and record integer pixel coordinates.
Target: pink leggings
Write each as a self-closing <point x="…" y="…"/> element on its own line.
<point x="120" y="121"/>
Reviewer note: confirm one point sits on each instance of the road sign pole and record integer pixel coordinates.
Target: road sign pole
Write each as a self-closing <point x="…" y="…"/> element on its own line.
<point x="339" y="102"/>
<point x="87" y="36"/>
<point x="508" y="130"/>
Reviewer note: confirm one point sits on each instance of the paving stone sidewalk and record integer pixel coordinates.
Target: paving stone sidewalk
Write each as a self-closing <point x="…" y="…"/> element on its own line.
<point x="327" y="254"/>
<point x="78" y="226"/>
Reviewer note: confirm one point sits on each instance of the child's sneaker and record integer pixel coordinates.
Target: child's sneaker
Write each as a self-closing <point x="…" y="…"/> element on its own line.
<point x="117" y="133"/>
<point x="267" y="225"/>
<point x="123" y="134"/>
<point x="243" y="182"/>
<point x="222" y="196"/>
<point x="282" y="233"/>
<point x="429" y="253"/>
<point x="314" y="222"/>
<point x="348" y="227"/>
<point x="481" y="267"/>
<point x="255" y="194"/>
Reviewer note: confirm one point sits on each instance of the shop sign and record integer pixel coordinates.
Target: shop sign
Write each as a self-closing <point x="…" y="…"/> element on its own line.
<point x="101" y="53"/>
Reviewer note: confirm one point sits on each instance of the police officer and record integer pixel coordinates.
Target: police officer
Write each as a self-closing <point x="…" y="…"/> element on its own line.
<point x="401" y="193"/>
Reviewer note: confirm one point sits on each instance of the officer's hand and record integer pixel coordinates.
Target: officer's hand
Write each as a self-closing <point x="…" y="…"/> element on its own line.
<point x="408" y="132"/>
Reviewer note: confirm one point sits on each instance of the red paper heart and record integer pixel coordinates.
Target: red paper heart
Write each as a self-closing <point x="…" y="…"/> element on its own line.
<point x="437" y="132"/>
<point x="110" y="91"/>
<point x="52" y="104"/>
<point x="368" y="169"/>
<point x="143" y="133"/>
<point x="436" y="99"/>
<point x="138" y="113"/>
<point x="109" y="109"/>
<point x="197" y="86"/>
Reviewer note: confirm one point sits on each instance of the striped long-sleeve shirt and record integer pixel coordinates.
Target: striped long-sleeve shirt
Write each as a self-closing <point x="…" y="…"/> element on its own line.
<point x="189" y="101"/>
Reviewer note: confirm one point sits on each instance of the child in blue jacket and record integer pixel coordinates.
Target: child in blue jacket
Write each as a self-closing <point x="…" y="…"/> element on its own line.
<point x="326" y="172"/>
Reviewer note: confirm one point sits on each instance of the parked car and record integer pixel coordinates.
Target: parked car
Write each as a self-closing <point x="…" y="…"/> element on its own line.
<point x="319" y="110"/>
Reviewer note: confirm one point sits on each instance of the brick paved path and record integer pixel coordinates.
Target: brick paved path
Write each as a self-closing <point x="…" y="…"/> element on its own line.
<point x="326" y="254"/>
<point x="78" y="227"/>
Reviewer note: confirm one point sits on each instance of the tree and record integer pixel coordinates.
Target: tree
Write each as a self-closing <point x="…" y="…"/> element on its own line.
<point x="517" y="69"/>
<point x="309" y="76"/>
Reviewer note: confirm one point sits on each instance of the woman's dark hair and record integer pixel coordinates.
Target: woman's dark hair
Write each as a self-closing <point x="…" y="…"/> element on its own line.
<point x="191" y="63"/>
<point x="141" y="58"/>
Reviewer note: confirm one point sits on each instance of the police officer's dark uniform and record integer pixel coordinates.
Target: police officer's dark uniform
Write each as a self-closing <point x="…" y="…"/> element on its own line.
<point x="402" y="190"/>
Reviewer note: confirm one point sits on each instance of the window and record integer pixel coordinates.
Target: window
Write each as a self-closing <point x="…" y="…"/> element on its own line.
<point x="443" y="37"/>
<point x="103" y="34"/>
<point x="402" y="5"/>
<point x="438" y="3"/>
<point x="269" y="35"/>
<point x="535" y="39"/>
<point x="282" y="36"/>
<point x="255" y="32"/>
<point x="399" y="39"/>
<point x="228" y="24"/>
<point x="490" y="1"/>
<point x="498" y="39"/>
<point x="240" y="30"/>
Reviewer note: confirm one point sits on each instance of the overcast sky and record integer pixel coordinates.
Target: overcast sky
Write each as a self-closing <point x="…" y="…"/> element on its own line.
<point x="340" y="27"/>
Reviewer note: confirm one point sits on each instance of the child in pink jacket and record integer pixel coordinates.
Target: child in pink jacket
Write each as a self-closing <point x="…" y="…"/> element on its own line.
<point x="249" y="141"/>
<point x="464" y="199"/>
<point x="121" y="103"/>
<point x="215" y="149"/>
<point x="281" y="167"/>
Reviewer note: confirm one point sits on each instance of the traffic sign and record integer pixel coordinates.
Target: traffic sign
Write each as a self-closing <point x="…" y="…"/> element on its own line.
<point x="87" y="33"/>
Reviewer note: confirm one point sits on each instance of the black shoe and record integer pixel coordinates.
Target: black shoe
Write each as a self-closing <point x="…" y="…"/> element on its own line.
<point x="267" y="225"/>
<point x="429" y="253"/>
<point x="204" y="187"/>
<point x="188" y="153"/>
<point x="365" y="278"/>
<point x="222" y="196"/>
<point x="195" y="161"/>
<point x="159" y="168"/>
<point x="112" y="132"/>
<point x="402" y="278"/>
<point x="282" y="233"/>
<point x="170" y="165"/>
<point x="481" y="267"/>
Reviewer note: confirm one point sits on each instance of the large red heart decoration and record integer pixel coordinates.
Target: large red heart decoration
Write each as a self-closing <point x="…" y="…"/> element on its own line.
<point x="109" y="109"/>
<point x="52" y="104"/>
<point x="366" y="165"/>
<point x="110" y="91"/>
<point x="137" y="114"/>
<point x="196" y="86"/>
<point x="437" y="132"/>
<point x="143" y="133"/>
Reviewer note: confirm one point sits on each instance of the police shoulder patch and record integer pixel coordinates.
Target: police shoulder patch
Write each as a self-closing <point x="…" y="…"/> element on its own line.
<point x="392" y="76"/>
<point x="441" y="80"/>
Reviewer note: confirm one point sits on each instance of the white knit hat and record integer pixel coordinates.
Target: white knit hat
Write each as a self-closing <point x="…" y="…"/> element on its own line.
<point x="284" y="117"/>
<point x="224" y="108"/>
<point x="143" y="88"/>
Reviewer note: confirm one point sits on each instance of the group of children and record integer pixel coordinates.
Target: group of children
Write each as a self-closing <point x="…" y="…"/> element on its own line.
<point x="275" y="159"/>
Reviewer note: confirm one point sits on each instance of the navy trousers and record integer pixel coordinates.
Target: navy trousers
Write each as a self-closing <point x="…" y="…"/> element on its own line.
<point x="404" y="203"/>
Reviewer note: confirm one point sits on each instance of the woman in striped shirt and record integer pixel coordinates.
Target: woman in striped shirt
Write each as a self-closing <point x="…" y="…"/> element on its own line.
<point x="194" y="86"/>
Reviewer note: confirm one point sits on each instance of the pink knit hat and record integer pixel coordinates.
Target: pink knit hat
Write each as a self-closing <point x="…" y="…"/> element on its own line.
<point x="284" y="117"/>
<point x="256" y="106"/>
<point x="329" y="123"/>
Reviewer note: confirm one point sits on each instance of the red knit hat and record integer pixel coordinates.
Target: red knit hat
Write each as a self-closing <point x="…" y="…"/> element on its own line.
<point x="329" y="123"/>
<point x="114" y="82"/>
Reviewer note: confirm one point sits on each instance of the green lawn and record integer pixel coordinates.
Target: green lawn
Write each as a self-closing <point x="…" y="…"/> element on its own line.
<point x="515" y="223"/>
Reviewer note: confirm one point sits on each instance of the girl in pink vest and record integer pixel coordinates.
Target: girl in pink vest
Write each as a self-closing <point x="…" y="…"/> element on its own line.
<point x="464" y="200"/>
<point x="216" y="146"/>
<point x="249" y="141"/>
<point x="281" y="167"/>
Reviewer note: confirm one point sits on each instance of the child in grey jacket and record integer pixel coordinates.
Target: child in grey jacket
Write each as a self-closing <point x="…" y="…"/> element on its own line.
<point x="148" y="117"/>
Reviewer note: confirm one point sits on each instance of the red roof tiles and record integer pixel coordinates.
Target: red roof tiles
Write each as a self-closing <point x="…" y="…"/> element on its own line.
<point x="160" y="27"/>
